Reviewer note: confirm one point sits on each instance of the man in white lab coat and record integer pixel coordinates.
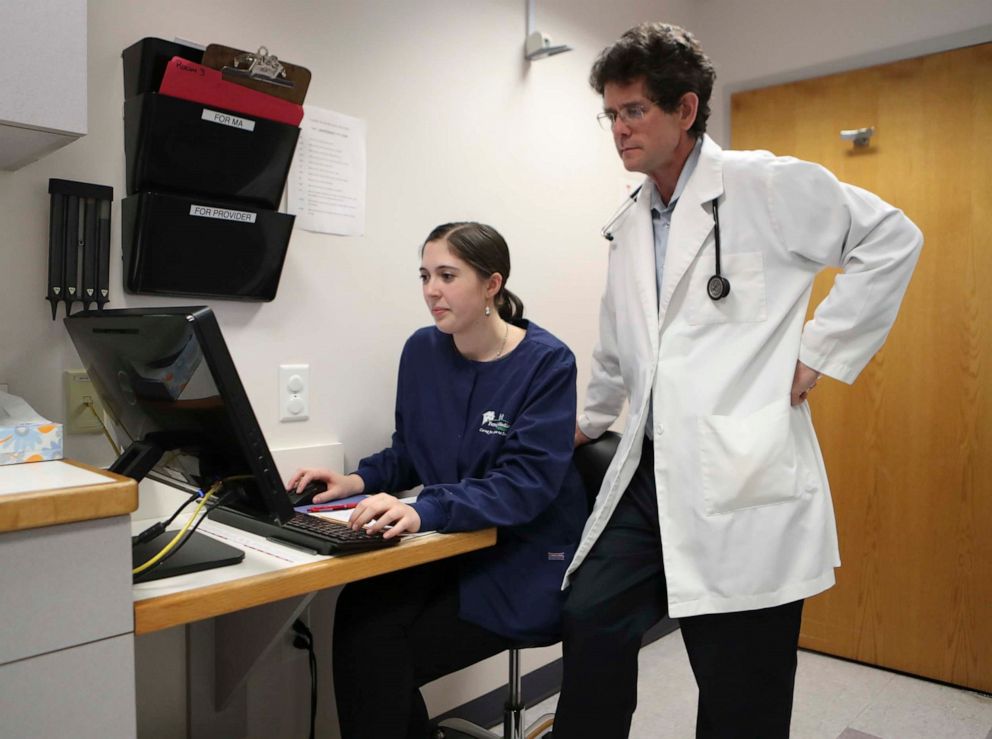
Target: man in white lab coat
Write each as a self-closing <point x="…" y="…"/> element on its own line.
<point x="716" y="508"/>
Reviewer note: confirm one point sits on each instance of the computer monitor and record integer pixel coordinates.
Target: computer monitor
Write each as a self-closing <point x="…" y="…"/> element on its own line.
<point x="172" y="392"/>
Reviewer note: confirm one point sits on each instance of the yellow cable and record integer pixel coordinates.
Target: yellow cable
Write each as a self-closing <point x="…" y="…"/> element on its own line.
<point x="179" y="535"/>
<point x="172" y="544"/>
<point x="106" y="432"/>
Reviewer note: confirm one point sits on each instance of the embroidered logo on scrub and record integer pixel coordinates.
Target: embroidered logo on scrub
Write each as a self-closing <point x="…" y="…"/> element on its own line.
<point x="494" y="424"/>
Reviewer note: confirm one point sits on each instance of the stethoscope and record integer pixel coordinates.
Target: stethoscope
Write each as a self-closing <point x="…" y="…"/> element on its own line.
<point x="717" y="286"/>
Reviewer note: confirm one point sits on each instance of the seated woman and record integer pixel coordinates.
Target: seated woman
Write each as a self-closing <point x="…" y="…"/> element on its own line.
<point x="485" y="417"/>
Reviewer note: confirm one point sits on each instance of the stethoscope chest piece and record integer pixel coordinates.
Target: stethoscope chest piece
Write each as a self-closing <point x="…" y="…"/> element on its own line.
<point x="718" y="287"/>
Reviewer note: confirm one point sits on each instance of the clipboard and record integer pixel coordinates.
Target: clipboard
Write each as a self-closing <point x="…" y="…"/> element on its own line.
<point x="259" y="71"/>
<point x="200" y="84"/>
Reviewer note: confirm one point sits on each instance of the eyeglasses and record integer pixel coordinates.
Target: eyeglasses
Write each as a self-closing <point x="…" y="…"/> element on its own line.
<point x="628" y="114"/>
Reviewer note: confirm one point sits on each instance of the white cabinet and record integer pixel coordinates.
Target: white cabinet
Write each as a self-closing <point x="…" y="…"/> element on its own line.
<point x="66" y="609"/>
<point x="43" y="84"/>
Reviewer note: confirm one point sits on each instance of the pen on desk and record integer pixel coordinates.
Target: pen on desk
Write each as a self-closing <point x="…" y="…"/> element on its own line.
<point x="338" y="507"/>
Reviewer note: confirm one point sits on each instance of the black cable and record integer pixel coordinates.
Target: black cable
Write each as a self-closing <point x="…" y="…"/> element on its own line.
<point x="304" y="640"/>
<point x="157" y="528"/>
<point x="209" y="507"/>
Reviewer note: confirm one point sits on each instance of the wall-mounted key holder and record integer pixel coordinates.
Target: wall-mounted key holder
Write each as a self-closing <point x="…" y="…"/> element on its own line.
<point x="189" y="246"/>
<point x="78" y="244"/>
<point x="179" y="146"/>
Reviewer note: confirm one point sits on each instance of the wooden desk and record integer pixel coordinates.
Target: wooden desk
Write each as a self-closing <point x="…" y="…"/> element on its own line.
<point x="173" y="609"/>
<point x="64" y="497"/>
<point x="235" y="616"/>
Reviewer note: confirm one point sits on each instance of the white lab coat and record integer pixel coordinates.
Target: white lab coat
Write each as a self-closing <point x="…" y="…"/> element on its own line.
<point x="744" y="507"/>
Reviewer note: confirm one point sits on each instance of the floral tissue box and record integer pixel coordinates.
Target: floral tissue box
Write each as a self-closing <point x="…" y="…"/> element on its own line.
<point x="24" y="435"/>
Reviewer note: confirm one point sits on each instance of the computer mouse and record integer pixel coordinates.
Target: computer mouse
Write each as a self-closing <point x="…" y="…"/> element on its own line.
<point x="305" y="496"/>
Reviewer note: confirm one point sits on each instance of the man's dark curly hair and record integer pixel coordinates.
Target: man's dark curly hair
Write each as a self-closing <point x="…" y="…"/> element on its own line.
<point x="669" y="59"/>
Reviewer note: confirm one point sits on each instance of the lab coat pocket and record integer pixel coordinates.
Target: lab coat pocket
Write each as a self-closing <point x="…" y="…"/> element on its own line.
<point x="750" y="461"/>
<point x="746" y="301"/>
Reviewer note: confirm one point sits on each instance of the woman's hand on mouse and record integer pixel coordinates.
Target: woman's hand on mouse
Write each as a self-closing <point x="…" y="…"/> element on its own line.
<point x="385" y="510"/>
<point x="338" y="485"/>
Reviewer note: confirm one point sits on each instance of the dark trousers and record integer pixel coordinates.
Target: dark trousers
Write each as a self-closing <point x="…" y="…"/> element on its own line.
<point x="744" y="663"/>
<point x="392" y="634"/>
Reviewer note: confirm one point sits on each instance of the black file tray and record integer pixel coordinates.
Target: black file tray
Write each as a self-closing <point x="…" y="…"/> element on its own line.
<point x="174" y="145"/>
<point x="145" y="62"/>
<point x="186" y="246"/>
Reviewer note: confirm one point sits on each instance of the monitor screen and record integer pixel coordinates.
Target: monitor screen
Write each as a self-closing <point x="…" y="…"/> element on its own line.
<point x="175" y="400"/>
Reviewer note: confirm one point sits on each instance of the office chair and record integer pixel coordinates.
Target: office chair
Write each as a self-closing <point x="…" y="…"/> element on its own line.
<point x="592" y="461"/>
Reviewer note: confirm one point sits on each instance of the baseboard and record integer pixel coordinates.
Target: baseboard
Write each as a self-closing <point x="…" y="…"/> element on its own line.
<point x="537" y="685"/>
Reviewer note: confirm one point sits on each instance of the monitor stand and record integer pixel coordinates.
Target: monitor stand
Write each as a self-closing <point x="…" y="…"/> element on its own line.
<point x="200" y="552"/>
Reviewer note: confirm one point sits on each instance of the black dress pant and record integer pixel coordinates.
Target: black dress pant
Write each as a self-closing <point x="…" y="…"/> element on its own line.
<point x="744" y="662"/>
<point x="392" y="634"/>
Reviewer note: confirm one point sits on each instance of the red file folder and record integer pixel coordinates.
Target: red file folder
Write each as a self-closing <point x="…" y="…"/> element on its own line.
<point x="191" y="81"/>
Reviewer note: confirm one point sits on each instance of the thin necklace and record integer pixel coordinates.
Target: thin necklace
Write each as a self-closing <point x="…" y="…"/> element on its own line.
<point x="502" y="344"/>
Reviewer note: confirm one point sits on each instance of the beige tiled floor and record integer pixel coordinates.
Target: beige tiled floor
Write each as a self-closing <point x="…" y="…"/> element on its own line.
<point x="834" y="699"/>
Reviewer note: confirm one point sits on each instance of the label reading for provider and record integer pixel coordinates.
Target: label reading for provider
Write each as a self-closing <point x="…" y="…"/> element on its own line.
<point x="226" y="119"/>
<point x="206" y="211"/>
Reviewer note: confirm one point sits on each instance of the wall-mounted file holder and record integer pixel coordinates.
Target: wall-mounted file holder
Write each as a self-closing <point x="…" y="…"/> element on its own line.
<point x="203" y="181"/>
<point x="179" y="146"/>
<point x="145" y="62"/>
<point x="189" y="246"/>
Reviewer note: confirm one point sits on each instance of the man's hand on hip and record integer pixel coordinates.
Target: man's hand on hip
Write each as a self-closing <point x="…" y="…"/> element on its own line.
<point x="803" y="381"/>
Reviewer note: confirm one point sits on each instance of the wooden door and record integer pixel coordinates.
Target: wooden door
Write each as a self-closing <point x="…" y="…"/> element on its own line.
<point x="908" y="447"/>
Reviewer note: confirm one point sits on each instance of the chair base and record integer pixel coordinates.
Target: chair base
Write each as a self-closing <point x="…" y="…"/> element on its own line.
<point x="457" y="728"/>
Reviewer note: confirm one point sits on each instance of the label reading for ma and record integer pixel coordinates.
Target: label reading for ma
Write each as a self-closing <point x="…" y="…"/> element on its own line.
<point x="206" y="211"/>
<point x="226" y="119"/>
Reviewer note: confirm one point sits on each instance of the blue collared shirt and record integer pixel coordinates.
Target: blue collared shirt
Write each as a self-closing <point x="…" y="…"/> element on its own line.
<point x="661" y="214"/>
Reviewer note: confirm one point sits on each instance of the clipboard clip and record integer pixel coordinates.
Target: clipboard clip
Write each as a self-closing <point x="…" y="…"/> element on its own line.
<point x="261" y="66"/>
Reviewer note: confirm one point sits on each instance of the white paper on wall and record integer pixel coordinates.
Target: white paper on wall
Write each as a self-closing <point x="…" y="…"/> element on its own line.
<point x="326" y="187"/>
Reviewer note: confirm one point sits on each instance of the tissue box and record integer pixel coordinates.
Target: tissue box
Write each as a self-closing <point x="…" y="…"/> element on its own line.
<point x="24" y="435"/>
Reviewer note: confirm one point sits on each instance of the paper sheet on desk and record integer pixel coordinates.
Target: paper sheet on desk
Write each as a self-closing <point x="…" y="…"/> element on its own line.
<point x="245" y="540"/>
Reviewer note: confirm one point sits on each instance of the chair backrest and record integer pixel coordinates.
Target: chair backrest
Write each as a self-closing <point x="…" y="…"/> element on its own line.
<point x="592" y="461"/>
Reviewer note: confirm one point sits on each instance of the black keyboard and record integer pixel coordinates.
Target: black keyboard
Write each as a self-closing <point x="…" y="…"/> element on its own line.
<point x="320" y="535"/>
<point x="339" y="537"/>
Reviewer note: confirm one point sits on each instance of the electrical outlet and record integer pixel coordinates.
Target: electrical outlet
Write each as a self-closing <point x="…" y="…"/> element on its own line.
<point x="78" y="392"/>
<point x="294" y="392"/>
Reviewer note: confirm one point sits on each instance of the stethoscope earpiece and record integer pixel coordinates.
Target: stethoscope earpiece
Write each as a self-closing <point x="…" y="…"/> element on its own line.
<point x="607" y="230"/>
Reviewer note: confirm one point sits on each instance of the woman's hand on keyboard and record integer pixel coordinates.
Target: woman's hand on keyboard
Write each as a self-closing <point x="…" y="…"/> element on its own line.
<point x="384" y="510"/>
